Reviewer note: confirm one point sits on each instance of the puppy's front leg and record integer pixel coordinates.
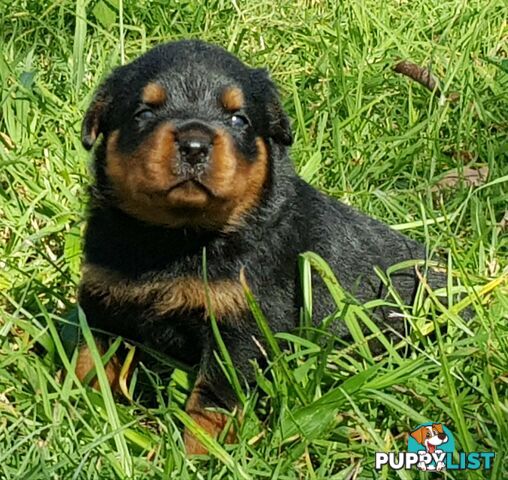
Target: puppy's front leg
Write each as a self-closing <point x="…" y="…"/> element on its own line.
<point x="212" y="389"/>
<point x="85" y="365"/>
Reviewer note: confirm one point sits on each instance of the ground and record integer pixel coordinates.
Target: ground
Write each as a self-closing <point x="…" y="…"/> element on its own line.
<point x="371" y="137"/>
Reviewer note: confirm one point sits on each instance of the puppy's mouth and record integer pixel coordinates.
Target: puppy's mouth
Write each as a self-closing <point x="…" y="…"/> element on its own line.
<point x="187" y="193"/>
<point x="189" y="184"/>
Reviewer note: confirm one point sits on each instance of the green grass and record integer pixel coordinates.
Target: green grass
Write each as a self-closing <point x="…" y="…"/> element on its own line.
<point x="374" y="139"/>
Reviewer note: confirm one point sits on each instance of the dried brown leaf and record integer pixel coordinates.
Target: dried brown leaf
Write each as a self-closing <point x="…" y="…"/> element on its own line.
<point x="470" y="177"/>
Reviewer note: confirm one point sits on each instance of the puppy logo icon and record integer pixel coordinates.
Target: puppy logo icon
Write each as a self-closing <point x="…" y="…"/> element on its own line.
<point x="431" y="448"/>
<point x="432" y="441"/>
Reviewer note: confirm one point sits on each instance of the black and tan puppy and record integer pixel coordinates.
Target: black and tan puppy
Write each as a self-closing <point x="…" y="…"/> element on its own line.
<point x="194" y="153"/>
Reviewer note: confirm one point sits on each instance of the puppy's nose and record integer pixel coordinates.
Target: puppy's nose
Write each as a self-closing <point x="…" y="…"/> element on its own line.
<point x="194" y="151"/>
<point x="441" y="436"/>
<point x="194" y="145"/>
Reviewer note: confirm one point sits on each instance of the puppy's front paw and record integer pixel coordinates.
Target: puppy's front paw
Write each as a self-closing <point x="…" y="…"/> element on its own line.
<point x="212" y="422"/>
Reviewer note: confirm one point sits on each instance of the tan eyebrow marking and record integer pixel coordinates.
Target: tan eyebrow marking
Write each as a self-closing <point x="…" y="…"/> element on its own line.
<point x="233" y="99"/>
<point x="154" y="94"/>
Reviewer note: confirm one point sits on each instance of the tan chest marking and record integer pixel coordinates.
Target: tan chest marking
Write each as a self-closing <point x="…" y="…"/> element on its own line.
<point x="182" y="294"/>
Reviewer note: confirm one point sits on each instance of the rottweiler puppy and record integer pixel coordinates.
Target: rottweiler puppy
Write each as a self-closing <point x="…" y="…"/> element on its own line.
<point x="194" y="155"/>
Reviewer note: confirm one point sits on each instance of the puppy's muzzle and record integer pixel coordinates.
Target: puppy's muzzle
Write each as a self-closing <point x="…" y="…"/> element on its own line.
<point x="194" y="141"/>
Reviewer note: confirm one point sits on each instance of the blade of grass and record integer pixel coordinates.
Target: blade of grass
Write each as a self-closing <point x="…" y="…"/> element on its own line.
<point x="109" y="403"/>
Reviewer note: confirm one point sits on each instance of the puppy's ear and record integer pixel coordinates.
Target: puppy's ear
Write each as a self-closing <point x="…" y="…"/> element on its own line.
<point x="419" y="435"/>
<point x="438" y="427"/>
<point x="279" y="127"/>
<point x="94" y="120"/>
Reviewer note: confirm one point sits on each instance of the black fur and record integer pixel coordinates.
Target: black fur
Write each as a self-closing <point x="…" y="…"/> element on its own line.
<point x="292" y="218"/>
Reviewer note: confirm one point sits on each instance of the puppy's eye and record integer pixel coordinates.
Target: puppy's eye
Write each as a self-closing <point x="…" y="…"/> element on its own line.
<point x="144" y="114"/>
<point x="239" y="121"/>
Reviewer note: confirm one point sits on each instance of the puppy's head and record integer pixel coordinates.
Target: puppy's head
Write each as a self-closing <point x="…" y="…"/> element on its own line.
<point x="430" y="436"/>
<point x="187" y="135"/>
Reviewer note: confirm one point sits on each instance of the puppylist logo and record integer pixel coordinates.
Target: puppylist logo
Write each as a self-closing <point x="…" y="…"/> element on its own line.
<point x="430" y="449"/>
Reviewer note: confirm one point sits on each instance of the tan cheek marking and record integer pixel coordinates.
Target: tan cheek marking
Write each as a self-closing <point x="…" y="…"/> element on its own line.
<point x="181" y="294"/>
<point x="145" y="170"/>
<point x="223" y="179"/>
<point x="239" y="182"/>
<point x="233" y="99"/>
<point x="254" y="176"/>
<point x="148" y="165"/>
<point x="115" y="168"/>
<point x="154" y="94"/>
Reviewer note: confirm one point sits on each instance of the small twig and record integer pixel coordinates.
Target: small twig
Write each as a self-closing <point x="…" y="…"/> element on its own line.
<point x="424" y="77"/>
<point x="419" y="74"/>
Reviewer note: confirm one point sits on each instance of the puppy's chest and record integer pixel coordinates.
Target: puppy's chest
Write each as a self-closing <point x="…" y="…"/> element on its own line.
<point x="162" y="296"/>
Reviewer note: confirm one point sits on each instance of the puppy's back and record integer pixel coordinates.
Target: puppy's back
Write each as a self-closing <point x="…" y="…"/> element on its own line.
<point x="353" y="244"/>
